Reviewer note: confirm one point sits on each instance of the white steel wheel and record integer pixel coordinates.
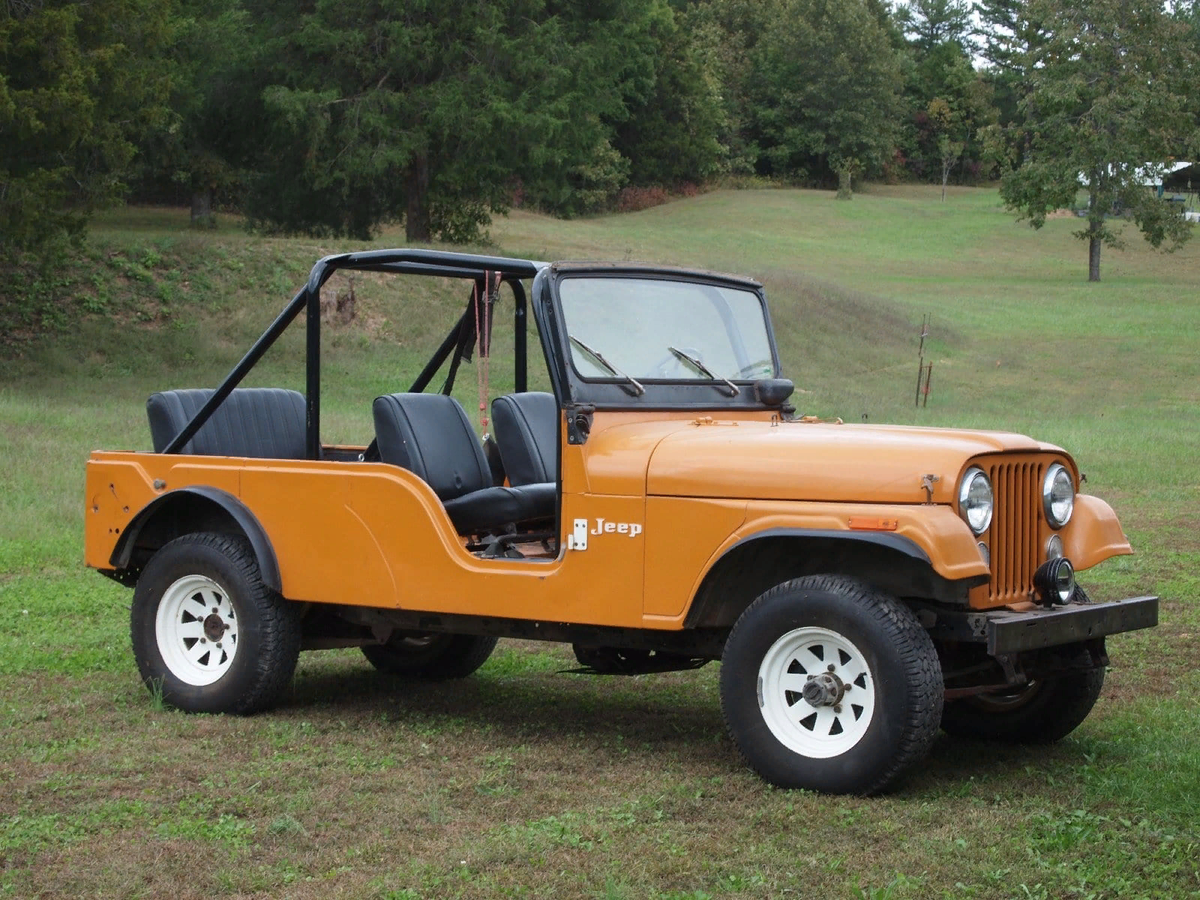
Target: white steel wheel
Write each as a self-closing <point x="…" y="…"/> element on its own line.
<point x="818" y="692"/>
<point x="830" y="685"/>
<point x="207" y="634"/>
<point x="196" y="630"/>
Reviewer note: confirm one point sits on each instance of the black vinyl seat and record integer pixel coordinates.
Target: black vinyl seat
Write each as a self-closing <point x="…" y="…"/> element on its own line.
<point x="262" y="423"/>
<point x="430" y="435"/>
<point x="527" y="436"/>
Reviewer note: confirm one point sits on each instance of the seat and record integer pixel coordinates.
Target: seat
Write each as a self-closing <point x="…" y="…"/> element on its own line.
<point x="430" y="435"/>
<point x="263" y="423"/>
<point x="526" y="432"/>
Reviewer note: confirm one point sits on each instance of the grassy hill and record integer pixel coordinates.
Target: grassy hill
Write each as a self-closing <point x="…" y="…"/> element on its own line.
<point x="526" y="783"/>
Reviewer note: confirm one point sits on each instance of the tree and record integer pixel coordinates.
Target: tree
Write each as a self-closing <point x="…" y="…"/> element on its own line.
<point x="1109" y="96"/>
<point x="933" y="23"/>
<point x="826" y="89"/>
<point x="211" y="126"/>
<point x="1012" y="36"/>
<point x="377" y="110"/>
<point x="79" y="84"/>
<point x="672" y="135"/>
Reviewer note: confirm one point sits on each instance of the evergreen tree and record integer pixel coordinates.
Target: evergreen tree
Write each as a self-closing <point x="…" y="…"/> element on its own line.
<point x="377" y="110"/>
<point x="80" y="83"/>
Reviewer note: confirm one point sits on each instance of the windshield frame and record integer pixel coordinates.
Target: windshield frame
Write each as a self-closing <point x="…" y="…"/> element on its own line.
<point x="615" y="392"/>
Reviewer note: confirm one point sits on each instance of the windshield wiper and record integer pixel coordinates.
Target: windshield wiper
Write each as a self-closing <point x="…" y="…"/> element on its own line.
<point x="703" y="370"/>
<point x="638" y="390"/>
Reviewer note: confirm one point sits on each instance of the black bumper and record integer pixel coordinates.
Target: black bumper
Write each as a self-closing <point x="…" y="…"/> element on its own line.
<point x="1012" y="632"/>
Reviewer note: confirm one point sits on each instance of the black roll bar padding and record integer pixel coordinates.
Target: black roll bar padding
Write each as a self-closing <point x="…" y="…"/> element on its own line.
<point x="520" y="362"/>
<point x="400" y="262"/>
<point x="439" y="357"/>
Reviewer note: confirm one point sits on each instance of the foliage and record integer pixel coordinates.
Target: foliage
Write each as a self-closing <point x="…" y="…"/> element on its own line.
<point x="211" y="105"/>
<point x="672" y="135"/>
<point x="378" y="110"/>
<point x="825" y="88"/>
<point x="1110" y="96"/>
<point x="79" y="83"/>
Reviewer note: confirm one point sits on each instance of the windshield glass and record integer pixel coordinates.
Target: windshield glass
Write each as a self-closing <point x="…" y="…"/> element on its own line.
<point x="649" y="328"/>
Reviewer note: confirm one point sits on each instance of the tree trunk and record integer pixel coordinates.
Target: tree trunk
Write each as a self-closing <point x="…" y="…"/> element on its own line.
<point x="845" y="191"/>
<point x="1094" y="258"/>
<point x="202" y="214"/>
<point x="416" y="218"/>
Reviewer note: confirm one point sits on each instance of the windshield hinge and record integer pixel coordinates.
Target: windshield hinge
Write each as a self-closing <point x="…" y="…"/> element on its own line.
<point x="579" y="422"/>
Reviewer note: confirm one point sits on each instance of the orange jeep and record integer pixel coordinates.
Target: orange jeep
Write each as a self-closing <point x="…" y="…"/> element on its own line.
<point x="663" y="507"/>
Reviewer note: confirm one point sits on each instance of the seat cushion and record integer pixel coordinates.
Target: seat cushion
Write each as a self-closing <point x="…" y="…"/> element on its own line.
<point x="430" y="435"/>
<point x="497" y="507"/>
<point x="526" y="427"/>
<point x="263" y="423"/>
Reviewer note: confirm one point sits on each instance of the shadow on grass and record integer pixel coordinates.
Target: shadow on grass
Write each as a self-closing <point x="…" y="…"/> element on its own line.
<point x="663" y="718"/>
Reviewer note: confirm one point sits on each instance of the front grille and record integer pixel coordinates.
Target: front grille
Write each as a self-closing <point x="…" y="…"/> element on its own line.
<point x="1013" y="537"/>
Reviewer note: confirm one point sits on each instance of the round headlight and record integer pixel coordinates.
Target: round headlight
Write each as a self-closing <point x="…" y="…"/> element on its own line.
<point x="1058" y="495"/>
<point x="975" y="500"/>
<point x="1054" y="547"/>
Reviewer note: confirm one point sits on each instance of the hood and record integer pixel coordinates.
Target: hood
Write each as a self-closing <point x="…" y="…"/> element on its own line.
<point x="819" y="462"/>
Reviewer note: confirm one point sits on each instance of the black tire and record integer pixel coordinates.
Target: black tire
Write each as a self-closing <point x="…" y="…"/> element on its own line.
<point x="830" y="630"/>
<point x="1041" y="712"/>
<point x="430" y="656"/>
<point x="207" y="632"/>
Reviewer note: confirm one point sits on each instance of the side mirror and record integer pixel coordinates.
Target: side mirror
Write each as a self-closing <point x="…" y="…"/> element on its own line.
<point x="773" y="391"/>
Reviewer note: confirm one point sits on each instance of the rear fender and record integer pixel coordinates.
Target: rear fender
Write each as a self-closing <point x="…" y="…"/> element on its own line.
<point x="188" y="510"/>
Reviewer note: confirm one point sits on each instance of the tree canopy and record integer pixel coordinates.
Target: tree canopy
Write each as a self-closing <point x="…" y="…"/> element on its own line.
<point x="335" y="117"/>
<point x="1110" y="103"/>
<point x="80" y="85"/>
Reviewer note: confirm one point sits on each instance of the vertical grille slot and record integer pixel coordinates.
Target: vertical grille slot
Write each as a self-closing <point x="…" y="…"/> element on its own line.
<point x="1013" y="538"/>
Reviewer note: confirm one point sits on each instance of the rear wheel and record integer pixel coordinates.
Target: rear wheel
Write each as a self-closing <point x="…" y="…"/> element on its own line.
<point x="420" y="654"/>
<point x="1041" y="712"/>
<point x="829" y="685"/>
<point x="207" y="632"/>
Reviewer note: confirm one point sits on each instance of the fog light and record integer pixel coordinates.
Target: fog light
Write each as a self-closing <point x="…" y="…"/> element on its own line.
<point x="1054" y="547"/>
<point x="985" y="552"/>
<point x="1055" y="581"/>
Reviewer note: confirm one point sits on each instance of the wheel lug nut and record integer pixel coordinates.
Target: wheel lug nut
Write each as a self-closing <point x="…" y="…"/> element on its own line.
<point x="838" y="708"/>
<point x="203" y="641"/>
<point x="830" y="667"/>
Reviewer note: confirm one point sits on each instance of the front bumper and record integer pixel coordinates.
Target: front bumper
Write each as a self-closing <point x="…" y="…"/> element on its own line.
<point x="1005" y="631"/>
<point x="1012" y="632"/>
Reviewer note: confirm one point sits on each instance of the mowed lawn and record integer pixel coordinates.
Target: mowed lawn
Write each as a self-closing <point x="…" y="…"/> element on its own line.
<point x="526" y="781"/>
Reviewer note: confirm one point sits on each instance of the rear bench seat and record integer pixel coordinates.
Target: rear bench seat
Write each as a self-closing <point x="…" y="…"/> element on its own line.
<point x="263" y="423"/>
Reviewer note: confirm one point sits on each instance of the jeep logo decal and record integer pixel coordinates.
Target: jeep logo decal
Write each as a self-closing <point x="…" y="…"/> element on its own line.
<point x="578" y="538"/>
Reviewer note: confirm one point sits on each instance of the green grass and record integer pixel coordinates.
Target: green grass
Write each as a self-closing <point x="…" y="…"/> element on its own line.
<point x="527" y="782"/>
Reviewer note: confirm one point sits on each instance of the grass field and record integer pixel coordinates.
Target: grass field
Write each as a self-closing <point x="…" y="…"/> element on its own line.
<point x="527" y="782"/>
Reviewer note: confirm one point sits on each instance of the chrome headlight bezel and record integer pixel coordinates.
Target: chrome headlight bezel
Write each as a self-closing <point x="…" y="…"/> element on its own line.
<point x="976" y="500"/>
<point x="1058" y="495"/>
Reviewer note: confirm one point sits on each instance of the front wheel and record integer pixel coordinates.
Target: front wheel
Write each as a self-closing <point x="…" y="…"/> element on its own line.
<point x="1041" y="712"/>
<point x="436" y="657"/>
<point x="829" y="685"/>
<point x="207" y="632"/>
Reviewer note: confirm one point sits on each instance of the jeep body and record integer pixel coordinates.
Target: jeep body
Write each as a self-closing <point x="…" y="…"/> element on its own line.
<point x="862" y="585"/>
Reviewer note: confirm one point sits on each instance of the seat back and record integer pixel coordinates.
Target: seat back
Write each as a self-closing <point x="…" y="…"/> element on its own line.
<point x="527" y="436"/>
<point x="431" y="436"/>
<point x="263" y="423"/>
